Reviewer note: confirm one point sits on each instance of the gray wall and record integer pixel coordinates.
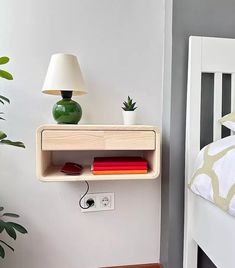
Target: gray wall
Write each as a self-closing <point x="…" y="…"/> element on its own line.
<point x="166" y="127"/>
<point x="190" y="17"/>
<point x="120" y="47"/>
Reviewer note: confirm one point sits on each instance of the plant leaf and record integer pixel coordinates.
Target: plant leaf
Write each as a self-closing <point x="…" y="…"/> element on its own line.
<point x="13" y="215"/>
<point x="1" y="118"/>
<point x="2" y="136"/>
<point x="7" y="245"/>
<point x="13" y="143"/>
<point x="126" y="104"/>
<point x="10" y="230"/>
<point x="1" y="208"/>
<point x="134" y="104"/>
<point x="4" y="60"/>
<point x="6" y="75"/>
<point x="18" y="227"/>
<point x="2" y="226"/>
<point x="4" y="98"/>
<point x="2" y="252"/>
<point x="1" y="101"/>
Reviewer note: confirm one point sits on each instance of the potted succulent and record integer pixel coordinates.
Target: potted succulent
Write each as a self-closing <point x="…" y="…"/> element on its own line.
<point x="129" y="113"/>
<point x="9" y="227"/>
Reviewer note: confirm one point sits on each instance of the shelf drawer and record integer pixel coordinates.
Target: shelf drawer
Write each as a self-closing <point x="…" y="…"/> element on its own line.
<point x="97" y="140"/>
<point x="129" y="140"/>
<point x="72" y="140"/>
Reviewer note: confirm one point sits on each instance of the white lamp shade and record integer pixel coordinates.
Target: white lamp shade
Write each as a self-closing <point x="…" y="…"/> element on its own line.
<point x="63" y="74"/>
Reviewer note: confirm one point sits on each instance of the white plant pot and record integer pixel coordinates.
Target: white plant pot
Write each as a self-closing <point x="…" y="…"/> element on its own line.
<point x="129" y="117"/>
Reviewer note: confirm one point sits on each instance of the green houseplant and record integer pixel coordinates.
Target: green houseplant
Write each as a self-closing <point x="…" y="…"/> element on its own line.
<point x="10" y="227"/>
<point x="129" y="114"/>
<point x="3" y="99"/>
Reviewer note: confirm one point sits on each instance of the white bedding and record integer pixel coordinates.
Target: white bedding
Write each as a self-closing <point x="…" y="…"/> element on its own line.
<point x="214" y="174"/>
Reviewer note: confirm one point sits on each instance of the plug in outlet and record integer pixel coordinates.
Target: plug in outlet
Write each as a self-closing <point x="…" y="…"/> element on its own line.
<point x="102" y="201"/>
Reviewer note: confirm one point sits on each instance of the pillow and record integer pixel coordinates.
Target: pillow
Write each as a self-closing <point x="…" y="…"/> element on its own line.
<point x="228" y="121"/>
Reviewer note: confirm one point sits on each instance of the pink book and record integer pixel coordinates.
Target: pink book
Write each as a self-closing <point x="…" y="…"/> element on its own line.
<point x="120" y="167"/>
<point x="123" y="172"/>
<point x="119" y="161"/>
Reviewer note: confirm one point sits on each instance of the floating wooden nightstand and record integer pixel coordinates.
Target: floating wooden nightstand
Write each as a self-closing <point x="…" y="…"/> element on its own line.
<point x="57" y="144"/>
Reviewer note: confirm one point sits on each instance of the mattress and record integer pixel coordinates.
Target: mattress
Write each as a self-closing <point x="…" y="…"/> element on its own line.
<point x="214" y="174"/>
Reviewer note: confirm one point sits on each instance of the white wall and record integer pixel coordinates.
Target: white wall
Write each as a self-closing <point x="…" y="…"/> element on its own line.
<point x="120" y="47"/>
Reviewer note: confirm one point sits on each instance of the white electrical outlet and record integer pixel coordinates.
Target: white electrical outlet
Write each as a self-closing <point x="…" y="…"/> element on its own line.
<point x="102" y="201"/>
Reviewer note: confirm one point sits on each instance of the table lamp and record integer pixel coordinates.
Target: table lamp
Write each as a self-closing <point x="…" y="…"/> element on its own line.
<point x="64" y="78"/>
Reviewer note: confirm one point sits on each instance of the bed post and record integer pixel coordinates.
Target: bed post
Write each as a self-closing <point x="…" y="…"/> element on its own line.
<point x="192" y="145"/>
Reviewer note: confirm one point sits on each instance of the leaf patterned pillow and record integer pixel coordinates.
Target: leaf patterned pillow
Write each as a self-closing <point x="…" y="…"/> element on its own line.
<point x="228" y="121"/>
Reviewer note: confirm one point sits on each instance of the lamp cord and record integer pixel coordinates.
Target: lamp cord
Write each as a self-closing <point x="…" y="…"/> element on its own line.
<point x="80" y="200"/>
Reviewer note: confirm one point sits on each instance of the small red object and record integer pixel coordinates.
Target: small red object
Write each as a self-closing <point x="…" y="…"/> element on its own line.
<point x="71" y="168"/>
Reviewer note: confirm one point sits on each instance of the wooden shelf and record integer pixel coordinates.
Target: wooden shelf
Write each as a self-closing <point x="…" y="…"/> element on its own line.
<point x="90" y="139"/>
<point x="53" y="173"/>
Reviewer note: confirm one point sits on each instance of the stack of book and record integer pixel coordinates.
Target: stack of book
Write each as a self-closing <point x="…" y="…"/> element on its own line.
<point x="119" y="165"/>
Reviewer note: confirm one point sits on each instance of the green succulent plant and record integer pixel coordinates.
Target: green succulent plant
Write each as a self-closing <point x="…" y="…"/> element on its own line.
<point x="10" y="228"/>
<point x="129" y="105"/>
<point x="3" y="136"/>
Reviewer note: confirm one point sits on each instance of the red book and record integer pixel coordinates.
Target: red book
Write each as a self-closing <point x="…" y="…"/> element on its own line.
<point x="123" y="167"/>
<point x="123" y="172"/>
<point x="119" y="161"/>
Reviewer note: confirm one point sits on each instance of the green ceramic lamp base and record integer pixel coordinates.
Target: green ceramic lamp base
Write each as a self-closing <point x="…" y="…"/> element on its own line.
<point x="67" y="111"/>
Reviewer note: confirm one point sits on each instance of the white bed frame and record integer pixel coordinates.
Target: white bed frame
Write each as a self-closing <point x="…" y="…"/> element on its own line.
<point x="206" y="225"/>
